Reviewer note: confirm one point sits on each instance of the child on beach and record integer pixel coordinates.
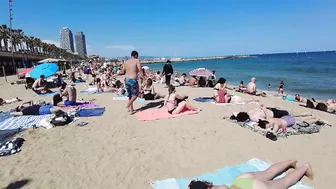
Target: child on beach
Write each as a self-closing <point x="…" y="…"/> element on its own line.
<point x="263" y="179"/>
<point x="176" y="103"/>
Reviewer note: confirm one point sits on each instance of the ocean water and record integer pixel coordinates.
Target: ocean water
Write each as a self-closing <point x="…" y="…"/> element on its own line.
<point x="310" y="74"/>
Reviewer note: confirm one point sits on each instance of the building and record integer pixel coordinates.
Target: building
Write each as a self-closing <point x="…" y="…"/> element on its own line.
<point x="66" y="40"/>
<point x="80" y="44"/>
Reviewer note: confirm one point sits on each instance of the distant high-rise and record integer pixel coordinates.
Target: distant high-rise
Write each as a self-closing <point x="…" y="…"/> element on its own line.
<point x="66" y="40"/>
<point x="80" y="44"/>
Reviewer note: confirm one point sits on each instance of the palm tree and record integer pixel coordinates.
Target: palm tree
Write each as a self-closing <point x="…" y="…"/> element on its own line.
<point x="4" y="35"/>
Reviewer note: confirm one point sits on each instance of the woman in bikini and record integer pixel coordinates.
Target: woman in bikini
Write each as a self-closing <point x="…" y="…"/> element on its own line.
<point x="263" y="179"/>
<point x="220" y="92"/>
<point x="149" y="92"/>
<point x="176" y="103"/>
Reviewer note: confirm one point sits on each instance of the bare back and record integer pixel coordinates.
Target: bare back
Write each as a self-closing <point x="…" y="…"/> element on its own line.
<point x="132" y="67"/>
<point x="72" y="93"/>
<point x="251" y="87"/>
<point x="258" y="113"/>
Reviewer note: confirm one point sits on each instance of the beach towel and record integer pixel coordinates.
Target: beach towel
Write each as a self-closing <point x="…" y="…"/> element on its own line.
<point x="23" y="122"/>
<point x="47" y="94"/>
<point x="204" y="99"/>
<point x="91" y="112"/>
<point x="84" y="105"/>
<point x="296" y="129"/>
<point x="126" y="98"/>
<point x="288" y="98"/>
<point x="221" y="96"/>
<point x="160" y="113"/>
<point x="222" y="176"/>
<point x="236" y="103"/>
<point x="90" y="90"/>
<point x="4" y="116"/>
<point x="5" y="135"/>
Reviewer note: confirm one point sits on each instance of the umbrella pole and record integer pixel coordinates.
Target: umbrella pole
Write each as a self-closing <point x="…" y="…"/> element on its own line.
<point x="4" y="72"/>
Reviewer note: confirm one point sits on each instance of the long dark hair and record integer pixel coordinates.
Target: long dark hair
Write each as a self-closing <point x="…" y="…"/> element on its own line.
<point x="262" y="123"/>
<point x="57" y="99"/>
<point x="221" y="80"/>
<point x="171" y="89"/>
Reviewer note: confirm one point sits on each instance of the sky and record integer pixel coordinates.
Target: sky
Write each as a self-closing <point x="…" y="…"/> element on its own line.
<point x="184" y="28"/>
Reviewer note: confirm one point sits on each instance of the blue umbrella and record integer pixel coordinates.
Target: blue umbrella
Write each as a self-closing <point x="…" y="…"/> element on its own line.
<point x="46" y="69"/>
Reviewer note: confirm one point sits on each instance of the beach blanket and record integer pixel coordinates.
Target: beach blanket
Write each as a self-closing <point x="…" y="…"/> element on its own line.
<point x="126" y="98"/>
<point x="47" y="94"/>
<point x="236" y="103"/>
<point x="84" y="105"/>
<point x="294" y="130"/>
<point x="91" y="112"/>
<point x="160" y="113"/>
<point x="8" y="134"/>
<point x="90" y="90"/>
<point x="223" y="176"/>
<point x="4" y="116"/>
<point x="11" y="147"/>
<point x="204" y="99"/>
<point x="23" y="122"/>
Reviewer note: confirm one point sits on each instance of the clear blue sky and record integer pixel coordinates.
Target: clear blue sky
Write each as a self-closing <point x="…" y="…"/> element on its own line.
<point x="184" y="27"/>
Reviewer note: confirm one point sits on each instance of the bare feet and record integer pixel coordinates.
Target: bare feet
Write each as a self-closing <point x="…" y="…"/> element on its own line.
<point x="309" y="173"/>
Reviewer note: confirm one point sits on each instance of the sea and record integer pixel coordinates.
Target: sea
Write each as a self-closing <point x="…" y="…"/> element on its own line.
<point x="310" y="74"/>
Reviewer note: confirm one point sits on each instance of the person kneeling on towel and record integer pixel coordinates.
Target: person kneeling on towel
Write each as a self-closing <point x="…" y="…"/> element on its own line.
<point x="176" y="103"/>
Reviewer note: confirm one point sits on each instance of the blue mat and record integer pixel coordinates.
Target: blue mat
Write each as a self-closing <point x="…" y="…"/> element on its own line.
<point x="288" y="98"/>
<point x="47" y="94"/>
<point x="23" y="122"/>
<point x="90" y="92"/>
<point x="4" y="115"/>
<point x="222" y="176"/>
<point x="91" y="112"/>
<point x="204" y="99"/>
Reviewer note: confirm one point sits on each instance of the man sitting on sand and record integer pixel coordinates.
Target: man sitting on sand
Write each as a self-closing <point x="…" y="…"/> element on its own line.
<point x="183" y="79"/>
<point x="70" y="93"/>
<point x="260" y="113"/>
<point x="40" y="86"/>
<point x="131" y="69"/>
<point x="251" y="88"/>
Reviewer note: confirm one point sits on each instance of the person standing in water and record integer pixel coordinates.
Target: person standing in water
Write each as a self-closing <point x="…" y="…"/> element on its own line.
<point x="132" y="68"/>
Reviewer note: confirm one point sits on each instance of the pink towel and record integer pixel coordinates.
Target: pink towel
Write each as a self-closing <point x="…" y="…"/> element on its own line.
<point x="161" y="113"/>
<point x="221" y="94"/>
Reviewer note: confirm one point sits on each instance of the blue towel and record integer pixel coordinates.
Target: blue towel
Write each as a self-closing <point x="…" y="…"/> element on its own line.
<point x="4" y="115"/>
<point x="91" y="112"/>
<point x="90" y="92"/>
<point x="223" y="176"/>
<point x="288" y="98"/>
<point x="204" y="99"/>
<point x="23" y="122"/>
<point x="47" y="94"/>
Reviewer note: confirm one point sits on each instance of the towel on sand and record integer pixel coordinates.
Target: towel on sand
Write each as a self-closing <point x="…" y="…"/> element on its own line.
<point x="223" y="176"/>
<point x="126" y="98"/>
<point x="236" y="103"/>
<point x="23" y="122"/>
<point x="91" y="112"/>
<point x="204" y="99"/>
<point x="294" y="130"/>
<point x="160" y="113"/>
<point x="84" y="105"/>
<point x="47" y="94"/>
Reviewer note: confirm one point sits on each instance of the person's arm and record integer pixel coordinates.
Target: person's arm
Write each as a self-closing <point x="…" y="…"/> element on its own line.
<point x="263" y="108"/>
<point x="16" y="113"/>
<point x="29" y="102"/>
<point x="181" y="97"/>
<point x="64" y="93"/>
<point x="140" y="70"/>
<point x="153" y="91"/>
<point x="164" y="69"/>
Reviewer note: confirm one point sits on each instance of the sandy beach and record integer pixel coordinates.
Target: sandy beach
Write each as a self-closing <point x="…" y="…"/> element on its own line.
<point x="118" y="151"/>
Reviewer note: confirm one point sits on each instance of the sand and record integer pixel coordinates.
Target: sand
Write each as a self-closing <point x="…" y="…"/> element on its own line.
<point x="118" y="151"/>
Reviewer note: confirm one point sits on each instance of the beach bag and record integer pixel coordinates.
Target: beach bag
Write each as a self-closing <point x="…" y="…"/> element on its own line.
<point x="61" y="120"/>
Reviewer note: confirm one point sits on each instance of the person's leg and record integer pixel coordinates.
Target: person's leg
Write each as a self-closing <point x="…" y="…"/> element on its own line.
<point x="179" y="108"/>
<point x="271" y="172"/>
<point x="130" y="103"/>
<point x="190" y="107"/>
<point x="291" y="178"/>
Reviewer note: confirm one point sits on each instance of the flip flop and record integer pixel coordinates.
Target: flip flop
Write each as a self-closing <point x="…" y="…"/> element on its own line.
<point x="82" y="124"/>
<point x="304" y="124"/>
<point x="271" y="136"/>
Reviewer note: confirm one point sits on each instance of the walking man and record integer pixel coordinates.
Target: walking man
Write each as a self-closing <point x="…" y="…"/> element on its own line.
<point x="132" y="68"/>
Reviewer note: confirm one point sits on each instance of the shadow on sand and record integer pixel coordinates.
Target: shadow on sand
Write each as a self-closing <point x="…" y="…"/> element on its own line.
<point x="18" y="184"/>
<point x="158" y="104"/>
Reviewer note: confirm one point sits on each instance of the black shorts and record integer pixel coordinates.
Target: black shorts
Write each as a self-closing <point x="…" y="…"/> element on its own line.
<point x="149" y="96"/>
<point x="278" y="113"/>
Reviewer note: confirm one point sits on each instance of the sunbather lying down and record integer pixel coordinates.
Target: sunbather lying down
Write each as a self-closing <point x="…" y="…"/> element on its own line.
<point x="328" y="106"/>
<point x="263" y="112"/>
<point x="263" y="179"/>
<point x="28" y="108"/>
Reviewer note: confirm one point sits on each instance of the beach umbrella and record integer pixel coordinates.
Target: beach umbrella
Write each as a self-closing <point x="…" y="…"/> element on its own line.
<point x="23" y="72"/>
<point x="201" y="72"/>
<point x="46" y="69"/>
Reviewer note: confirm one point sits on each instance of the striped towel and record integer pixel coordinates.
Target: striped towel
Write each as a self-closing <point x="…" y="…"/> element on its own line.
<point x="23" y="122"/>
